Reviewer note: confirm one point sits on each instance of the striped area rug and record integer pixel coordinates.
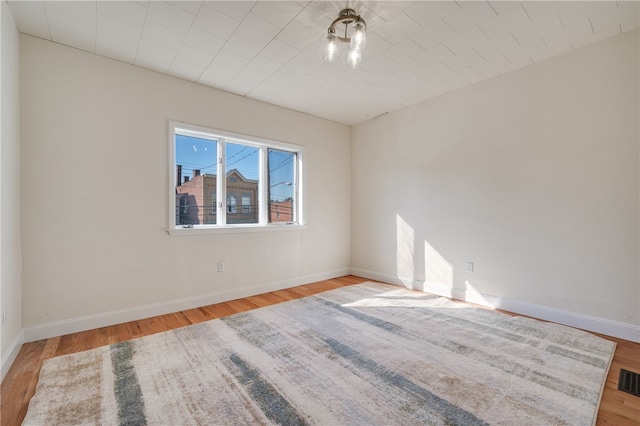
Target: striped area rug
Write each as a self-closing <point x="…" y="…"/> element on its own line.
<point x="366" y="354"/>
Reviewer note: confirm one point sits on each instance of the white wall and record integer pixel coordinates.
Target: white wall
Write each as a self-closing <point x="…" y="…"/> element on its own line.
<point x="532" y="176"/>
<point x="10" y="250"/>
<point x="95" y="194"/>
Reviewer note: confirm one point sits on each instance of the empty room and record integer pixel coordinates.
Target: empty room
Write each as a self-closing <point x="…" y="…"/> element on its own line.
<point x="320" y="212"/>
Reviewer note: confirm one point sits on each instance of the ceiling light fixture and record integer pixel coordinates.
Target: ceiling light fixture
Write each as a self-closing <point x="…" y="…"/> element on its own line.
<point x="354" y="33"/>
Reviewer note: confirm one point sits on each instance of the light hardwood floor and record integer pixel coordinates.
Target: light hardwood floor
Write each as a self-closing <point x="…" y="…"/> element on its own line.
<point x="617" y="408"/>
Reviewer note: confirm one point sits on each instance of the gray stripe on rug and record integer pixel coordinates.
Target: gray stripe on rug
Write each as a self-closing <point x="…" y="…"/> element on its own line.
<point x="590" y="360"/>
<point x="377" y="322"/>
<point x="126" y="386"/>
<point x="573" y="390"/>
<point x="450" y="413"/>
<point x="267" y="397"/>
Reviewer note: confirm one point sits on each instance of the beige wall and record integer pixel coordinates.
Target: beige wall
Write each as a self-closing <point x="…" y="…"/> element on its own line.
<point x="10" y="250"/>
<point x="532" y="176"/>
<point x="94" y="156"/>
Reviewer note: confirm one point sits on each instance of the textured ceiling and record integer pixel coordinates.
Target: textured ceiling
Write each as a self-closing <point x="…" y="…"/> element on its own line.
<point x="272" y="50"/>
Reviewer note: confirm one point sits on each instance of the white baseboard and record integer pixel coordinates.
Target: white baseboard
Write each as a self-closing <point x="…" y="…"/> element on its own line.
<point x="605" y="326"/>
<point x="389" y="279"/>
<point x="75" y="325"/>
<point x="11" y="354"/>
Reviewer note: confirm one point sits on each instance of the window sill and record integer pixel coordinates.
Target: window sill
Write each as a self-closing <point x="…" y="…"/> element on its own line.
<point x="233" y="229"/>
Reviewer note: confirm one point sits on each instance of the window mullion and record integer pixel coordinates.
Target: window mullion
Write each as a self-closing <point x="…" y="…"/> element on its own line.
<point x="221" y="183"/>
<point x="263" y="189"/>
<point x="298" y="191"/>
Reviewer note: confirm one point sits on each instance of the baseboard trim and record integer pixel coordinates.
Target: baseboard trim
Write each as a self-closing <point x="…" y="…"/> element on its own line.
<point x="10" y="355"/>
<point x="90" y="322"/>
<point x="604" y="326"/>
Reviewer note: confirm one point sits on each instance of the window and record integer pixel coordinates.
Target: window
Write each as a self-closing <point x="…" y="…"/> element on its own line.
<point x="232" y="204"/>
<point x="246" y="204"/>
<point x="260" y="185"/>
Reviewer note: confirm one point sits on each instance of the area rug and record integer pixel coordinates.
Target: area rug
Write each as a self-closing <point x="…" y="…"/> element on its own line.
<point x="368" y="354"/>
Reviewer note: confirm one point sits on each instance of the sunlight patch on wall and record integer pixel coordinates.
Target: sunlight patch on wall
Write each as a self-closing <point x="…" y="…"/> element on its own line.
<point x="405" y="252"/>
<point x="437" y="270"/>
<point x="472" y="295"/>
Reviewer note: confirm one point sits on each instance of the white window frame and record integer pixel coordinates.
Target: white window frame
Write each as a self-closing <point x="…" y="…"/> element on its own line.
<point x="222" y="137"/>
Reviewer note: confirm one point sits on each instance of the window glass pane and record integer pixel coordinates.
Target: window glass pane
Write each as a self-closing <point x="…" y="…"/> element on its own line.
<point x="247" y="207"/>
<point x="195" y="179"/>
<point x="232" y="204"/>
<point x="282" y="186"/>
<point x="242" y="173"/>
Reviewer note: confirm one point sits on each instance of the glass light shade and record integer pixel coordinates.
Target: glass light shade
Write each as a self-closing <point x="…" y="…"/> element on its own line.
<point x="355" y="58"/>
<point x="331" y="51"/>
<point x="358" y="36"/>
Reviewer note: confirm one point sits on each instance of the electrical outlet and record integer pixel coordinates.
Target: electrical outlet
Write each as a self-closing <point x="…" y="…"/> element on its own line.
<point x="469" y="267"/>
<point x="221" y="266"/>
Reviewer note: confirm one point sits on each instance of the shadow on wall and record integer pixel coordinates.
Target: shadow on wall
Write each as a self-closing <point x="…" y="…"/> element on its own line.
<point x="420" y="266"/>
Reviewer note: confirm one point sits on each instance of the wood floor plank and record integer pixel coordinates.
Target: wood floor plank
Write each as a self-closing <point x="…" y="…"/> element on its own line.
<point x="99" y="337"/>
<point x="174" y="320"/>
<point x="71" y="343"/>
<point x="51" y="347"/>
<point x="134" y="329"/>
<point x="242" y="305"/>
<point x="300" y="291"/>
<point x="150" y="326"/>
<point x="276" y="297"/>
<point x="617" y="408"/>
<point x="221" y="310"/>
<point x="289" y="294"/>
<point x="123" y="332"/>
<point x="261" y="301"/>
<point x="19" y="384"/>
<point x="196" y="315"/>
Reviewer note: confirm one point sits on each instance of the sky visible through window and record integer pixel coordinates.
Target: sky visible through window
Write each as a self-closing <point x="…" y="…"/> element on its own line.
<point x="196" y="154"/>
<point x="201" y="154"/>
